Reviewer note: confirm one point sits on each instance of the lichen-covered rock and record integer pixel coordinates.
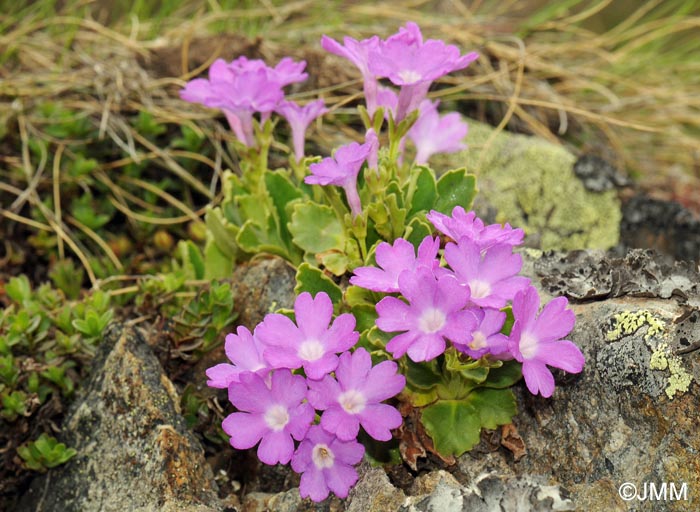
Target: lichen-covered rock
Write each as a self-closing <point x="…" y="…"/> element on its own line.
<point x="531" y="184"/>
<point x="632" y="415"/>
<point x="134" y="449"/>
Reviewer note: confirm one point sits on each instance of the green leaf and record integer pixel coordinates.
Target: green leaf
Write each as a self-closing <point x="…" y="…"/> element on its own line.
<point x="283" y="192"/>
<point x="365" y="315"/>
<point x="496" y="406"/>
<point x="505" y="376"/>
<point x="222" y="232"/>
<point x="335" y="262"/>
<point x="510" y="320"/>
<point x="192" y="260"/>
<point x="455" y="188"/>
<point x="19" y="289"/>
<point x="417" y="230"/>
<point x="216" y="264"/>
<point x="422" y="191"/>
<point x="424" y="375"/>
<point x="316" y="228"/>
<point x="453" y="425"/>
<point x="313" y="280"/>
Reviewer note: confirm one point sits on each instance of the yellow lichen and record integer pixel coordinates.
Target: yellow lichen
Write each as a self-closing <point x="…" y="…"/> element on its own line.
<point x="680" y="379"/>
<point x="629" y="322"/>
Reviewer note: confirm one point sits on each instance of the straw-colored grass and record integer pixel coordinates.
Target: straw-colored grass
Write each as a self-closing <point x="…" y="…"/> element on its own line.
<point x="617" y="78"/>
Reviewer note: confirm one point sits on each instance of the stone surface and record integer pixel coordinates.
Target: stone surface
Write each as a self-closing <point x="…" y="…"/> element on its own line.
<point x="665" y="225"/>
<point x="134" y="449"/>
<point x="625" y="418"/>
<point x="530" y="183"/>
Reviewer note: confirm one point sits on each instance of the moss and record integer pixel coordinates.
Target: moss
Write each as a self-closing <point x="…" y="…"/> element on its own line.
<point x="531" y="183"/>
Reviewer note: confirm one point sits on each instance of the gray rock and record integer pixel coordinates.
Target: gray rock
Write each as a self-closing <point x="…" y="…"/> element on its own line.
<point x="134" y="449"/>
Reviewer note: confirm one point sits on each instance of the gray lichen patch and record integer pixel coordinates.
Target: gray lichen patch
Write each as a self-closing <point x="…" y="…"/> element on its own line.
<point x="639" y="355"/>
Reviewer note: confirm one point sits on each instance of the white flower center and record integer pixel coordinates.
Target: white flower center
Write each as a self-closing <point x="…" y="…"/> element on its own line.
<point x="409" y="76"/>
<point x="276" y="417"/>
<point x="311" y="350"/>
<point x="479" y="289"/>
<point x="352" y="401"/>
<point x="528" y="345"/>
<point x="431" y="320"/>
<point x="322" y="456"/>
<point x="478" y="341"/>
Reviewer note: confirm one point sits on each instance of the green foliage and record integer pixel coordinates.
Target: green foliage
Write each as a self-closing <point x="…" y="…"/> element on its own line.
<point x="45" y="453"/>
<point x="67" y="277"/>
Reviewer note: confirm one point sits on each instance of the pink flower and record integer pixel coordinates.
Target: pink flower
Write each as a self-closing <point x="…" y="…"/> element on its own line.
<point x="435" y="134"/>
<point x="245" y="351"/>
<point x="393" y="260"/>
<point x="435" y="312"/>
<point x="487" y="337"/>
<point x="310" y="342"/>
<point x="242" y="88"/>
<point x="491" y="275"/>
<point x="536" y="342"/>
<point x="271" y="416"/>
<point x="372" y="140"/>
<point x="299" y="119"/>
<point x="409" y="62"/>
<point x="354" y="398"/>
<point x="463" y="224"/>
<point x="326" y="464"/>
<point x="357" y="53"/>
<point x="342" y="169"/>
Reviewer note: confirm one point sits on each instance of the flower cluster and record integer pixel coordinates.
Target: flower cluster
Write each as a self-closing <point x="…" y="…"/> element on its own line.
<point x="462" y="302"/>
<point x="244" y="87"/>
<point x="411" y="64"/>
<point x="276" y="405"/>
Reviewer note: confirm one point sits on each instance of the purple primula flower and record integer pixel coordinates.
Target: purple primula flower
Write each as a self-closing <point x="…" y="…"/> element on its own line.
<point x="354" y="398"/>
<point x="467" y="224"/>
<point x="409" y="62"/>
<point x="272" y="415"/>
<point x="299" y="119"/>
<point x="357" y="53"/>
<point x="433" y="133"/>
<point x="245" y="351"/>
<point x="491" y="275"/>
<point x="326" y="464"/>
<point x="487" y="337"/>
<point x="310" y="342"/>
<point x="342" y="169"/>
<point x="536" y="342"/>
<point x="388" y="99"/>
<point x="393" y="260"/>
<point x="243" y="87"/>
<point x="373" y="157"/>
<point x="435" y="312"/>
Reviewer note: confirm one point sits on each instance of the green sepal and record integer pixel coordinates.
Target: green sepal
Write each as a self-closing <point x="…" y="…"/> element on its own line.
<point x="313" y="280"/>
<point x="455" y="188"/>
<point x="469" y="370"/>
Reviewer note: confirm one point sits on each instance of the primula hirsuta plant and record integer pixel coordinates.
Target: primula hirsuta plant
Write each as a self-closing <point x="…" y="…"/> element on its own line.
<point x="435" y="318"/>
